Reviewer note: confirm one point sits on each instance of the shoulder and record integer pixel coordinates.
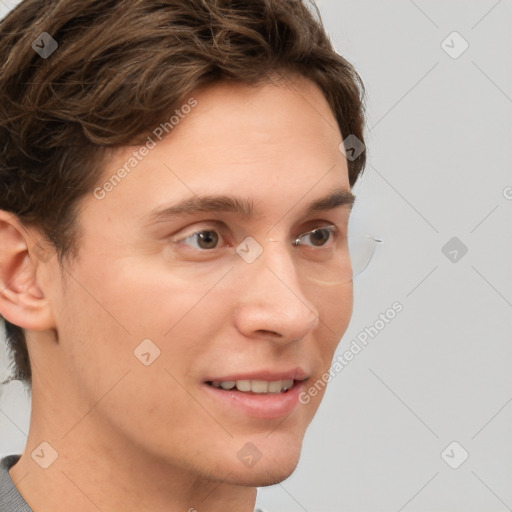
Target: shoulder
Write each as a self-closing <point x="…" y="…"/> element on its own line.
<point x="10" y="498"/>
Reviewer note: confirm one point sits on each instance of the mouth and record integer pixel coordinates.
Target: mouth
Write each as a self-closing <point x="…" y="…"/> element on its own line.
<point x="254" y="386"/>
<point x="264" y="395"/>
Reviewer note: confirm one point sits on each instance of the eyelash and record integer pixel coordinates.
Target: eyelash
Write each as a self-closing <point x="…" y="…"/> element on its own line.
<point x="332" y="229"/>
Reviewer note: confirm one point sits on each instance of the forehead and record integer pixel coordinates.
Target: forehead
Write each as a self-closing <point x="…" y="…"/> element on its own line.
<point x="242" y="115"/>
<point x="273" y="143"/>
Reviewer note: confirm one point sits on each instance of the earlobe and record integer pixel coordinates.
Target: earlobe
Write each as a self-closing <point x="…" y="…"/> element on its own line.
<point x="22" y="301"/>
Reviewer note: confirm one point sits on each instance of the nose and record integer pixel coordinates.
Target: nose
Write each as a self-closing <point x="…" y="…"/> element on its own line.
<point x="272" y="303"/>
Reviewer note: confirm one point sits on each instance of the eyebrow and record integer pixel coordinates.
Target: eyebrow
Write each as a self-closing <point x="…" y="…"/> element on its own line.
<point x="240" y="206"/>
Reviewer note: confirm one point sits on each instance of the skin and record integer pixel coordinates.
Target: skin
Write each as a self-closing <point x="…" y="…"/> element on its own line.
<point x="149" y="438"/>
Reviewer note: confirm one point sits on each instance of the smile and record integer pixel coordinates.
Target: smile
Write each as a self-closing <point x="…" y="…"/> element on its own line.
<point x="263" y="394"/>
<point x="255" y="386"/>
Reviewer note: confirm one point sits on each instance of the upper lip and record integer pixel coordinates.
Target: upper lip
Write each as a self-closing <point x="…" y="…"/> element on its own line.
<point x="264" y="374"/>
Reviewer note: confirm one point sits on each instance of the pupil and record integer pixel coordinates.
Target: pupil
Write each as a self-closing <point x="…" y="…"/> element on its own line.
<point x="208" y="239"/>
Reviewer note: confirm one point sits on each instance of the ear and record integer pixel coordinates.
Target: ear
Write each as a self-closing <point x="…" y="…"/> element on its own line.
<point x="22" y="301"/>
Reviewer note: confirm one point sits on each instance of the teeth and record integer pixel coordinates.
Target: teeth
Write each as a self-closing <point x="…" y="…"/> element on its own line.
<point x="243" y="385"/>
<point x="259" y="386"/>
<point x="286" y="384"/>
<point x="255" y="386"/>
<point x="274" y="387"/>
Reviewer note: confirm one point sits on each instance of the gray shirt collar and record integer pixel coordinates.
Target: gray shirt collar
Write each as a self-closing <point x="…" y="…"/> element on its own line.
<point x="10" y="498"/>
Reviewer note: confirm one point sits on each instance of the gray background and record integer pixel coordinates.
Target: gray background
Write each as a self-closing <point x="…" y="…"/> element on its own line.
<point x="439" y="147"/>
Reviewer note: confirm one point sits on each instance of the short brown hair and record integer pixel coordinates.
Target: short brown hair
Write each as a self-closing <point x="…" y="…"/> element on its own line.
<point x="119" y="69"/>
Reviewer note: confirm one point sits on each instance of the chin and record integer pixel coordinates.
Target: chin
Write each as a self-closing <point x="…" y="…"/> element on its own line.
<point x="276" y="475"/>
<point x="264" y="474"/>
<point x="278" y="460"/>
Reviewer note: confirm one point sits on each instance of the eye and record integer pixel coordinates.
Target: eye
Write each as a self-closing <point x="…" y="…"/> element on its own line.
<point x="319" y="237"/>
<point x="204" y="239"/>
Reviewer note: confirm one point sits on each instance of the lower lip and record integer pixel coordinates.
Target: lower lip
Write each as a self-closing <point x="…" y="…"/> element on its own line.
<point x="262" y="406"/>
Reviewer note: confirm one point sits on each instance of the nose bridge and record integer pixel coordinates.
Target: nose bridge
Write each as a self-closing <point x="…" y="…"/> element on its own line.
<point x="273" y="299"/>
<point x="281" y="270"/>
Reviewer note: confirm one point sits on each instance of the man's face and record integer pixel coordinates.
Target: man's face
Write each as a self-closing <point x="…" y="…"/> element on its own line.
<point x="269" y="311"/>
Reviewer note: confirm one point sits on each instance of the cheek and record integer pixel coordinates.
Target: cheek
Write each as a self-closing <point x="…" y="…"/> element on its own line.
<point x="106" y="313"/>
<point x="334" y="305"/>
<point x="103" y="330"/>
<point x="338" y="302"/>
<point x="335" y="310"/>
<point x="141" y="298"/>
